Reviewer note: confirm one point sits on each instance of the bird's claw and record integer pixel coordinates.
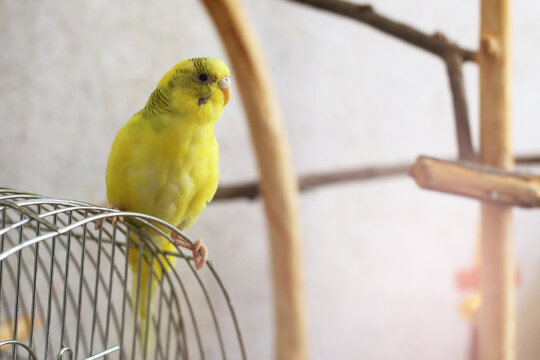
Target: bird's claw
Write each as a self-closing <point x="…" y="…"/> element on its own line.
<point x="199" y="250"/>
<point x="114" y="219"/>
<point x="200" y="254"/>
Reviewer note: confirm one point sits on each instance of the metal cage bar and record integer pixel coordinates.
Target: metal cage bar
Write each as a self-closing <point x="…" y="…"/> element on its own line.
<point x="64" y="289"/>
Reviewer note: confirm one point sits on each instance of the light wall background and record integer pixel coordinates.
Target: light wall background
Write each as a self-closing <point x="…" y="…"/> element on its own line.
<point x="380" y="257"/>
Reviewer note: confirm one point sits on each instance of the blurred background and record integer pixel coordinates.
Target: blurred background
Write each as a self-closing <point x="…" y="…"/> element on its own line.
<point x="380" y="257"/>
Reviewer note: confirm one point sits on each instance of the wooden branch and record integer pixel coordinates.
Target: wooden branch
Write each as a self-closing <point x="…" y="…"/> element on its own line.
<point x="278" y="180"/>
<point x="477" y="181"/>
<point x="366" y="14"/>
<point x="497" y="317"/>
<point x="437" y="44"/>
<point x="527" y="159"/>
<point x="461" y="111"/>
<point x="250" y="190"/>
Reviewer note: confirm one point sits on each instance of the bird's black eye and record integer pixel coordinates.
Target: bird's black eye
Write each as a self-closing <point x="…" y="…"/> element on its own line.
<point x="203" y="77"/>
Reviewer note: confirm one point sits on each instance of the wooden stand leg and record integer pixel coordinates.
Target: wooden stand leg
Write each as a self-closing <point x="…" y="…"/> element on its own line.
<point x="497" y="314"/>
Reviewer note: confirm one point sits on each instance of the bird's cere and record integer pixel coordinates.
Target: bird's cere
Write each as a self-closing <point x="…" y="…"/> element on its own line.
<point x="225" y="82"/>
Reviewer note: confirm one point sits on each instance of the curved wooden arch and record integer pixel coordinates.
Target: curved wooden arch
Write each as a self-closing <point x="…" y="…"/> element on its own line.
<point x="278" y="182"/>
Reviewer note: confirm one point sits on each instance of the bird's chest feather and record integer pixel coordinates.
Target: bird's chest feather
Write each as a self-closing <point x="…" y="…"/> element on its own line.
<point x="172" y="173"/>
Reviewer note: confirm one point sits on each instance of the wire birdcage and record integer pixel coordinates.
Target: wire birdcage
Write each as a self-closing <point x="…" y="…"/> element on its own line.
<point x="65" y="288"/>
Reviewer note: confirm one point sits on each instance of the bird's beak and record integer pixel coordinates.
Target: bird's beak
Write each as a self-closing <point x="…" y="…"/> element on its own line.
<point x="224" y="85"/>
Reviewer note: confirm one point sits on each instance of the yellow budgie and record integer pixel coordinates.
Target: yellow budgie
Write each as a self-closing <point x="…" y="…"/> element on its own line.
<point x="164" y="162"/>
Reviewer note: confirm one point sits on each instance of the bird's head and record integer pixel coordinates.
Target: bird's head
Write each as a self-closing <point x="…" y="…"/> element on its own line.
<point x="193" y="83"/>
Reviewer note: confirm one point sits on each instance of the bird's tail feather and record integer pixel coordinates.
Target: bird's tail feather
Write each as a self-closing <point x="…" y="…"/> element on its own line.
<point x="146" y="269"/>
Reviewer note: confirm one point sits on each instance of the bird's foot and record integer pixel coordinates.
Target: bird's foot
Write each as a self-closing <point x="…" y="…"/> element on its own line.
<point x="198" y="258"/>
<point x="114" y="219"/>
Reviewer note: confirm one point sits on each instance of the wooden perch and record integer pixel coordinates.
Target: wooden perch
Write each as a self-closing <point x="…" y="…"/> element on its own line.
<point x="477" y="181"/>
<point x="528" y="159"/>
<point x="434" y="44"/>
<point x="250" y="190"/>
<point x="278" y="180"/>
<point x="305" y="183"/>
<point x="461" y="109"/>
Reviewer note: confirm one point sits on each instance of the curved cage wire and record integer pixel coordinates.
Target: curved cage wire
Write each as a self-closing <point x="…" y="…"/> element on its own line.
<point x="65" y="288"/>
